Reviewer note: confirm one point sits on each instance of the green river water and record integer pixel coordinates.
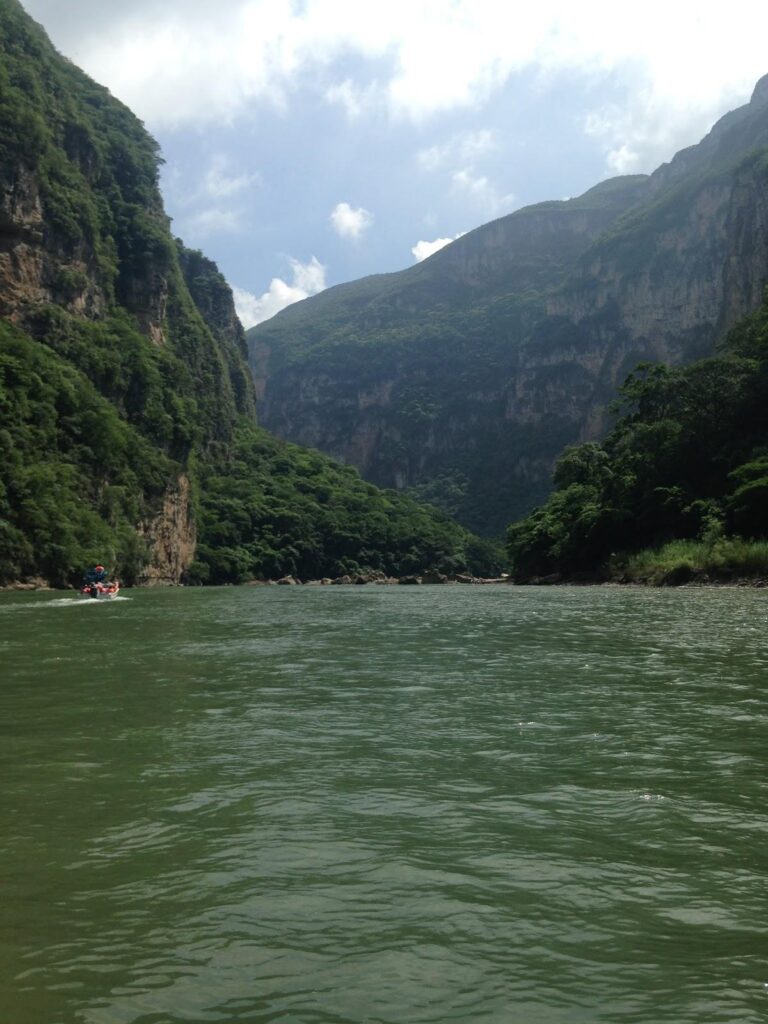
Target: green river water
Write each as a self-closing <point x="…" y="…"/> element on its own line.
<point x="384" y="805"/>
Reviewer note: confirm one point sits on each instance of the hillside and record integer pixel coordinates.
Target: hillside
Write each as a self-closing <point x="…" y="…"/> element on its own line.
<point x="462" y="378"/>
<point x="127" y="412"/>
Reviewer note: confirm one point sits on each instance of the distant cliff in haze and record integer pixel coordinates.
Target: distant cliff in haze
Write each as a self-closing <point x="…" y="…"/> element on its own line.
<point x="462" y="378"/>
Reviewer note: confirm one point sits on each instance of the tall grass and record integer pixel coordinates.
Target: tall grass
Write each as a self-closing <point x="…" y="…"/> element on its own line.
<point x="680" y="560"/>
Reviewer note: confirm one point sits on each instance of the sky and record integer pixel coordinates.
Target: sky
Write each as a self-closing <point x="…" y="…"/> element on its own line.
<point x="311" y="142"/>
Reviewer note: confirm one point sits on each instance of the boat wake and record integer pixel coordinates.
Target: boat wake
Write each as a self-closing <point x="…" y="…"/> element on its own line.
<point x="60" y="602"/>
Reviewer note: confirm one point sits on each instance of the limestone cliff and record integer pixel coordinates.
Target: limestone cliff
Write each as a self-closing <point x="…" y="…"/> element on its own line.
<point x="171" y="535"/>
<point x="462" y="378"/>
<point x="35" y="267"/>
<point x="93" y="298"/>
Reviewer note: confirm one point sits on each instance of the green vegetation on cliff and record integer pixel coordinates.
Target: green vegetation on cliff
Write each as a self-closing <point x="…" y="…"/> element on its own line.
<point x="75" y="476"/>
<point x="123" y="373"/>
<point x="92" y="162"/>
<point x="684" y="471"/>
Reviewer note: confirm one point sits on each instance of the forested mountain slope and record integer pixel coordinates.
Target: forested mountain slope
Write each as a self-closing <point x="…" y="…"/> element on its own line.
<point x="462" y="378"/>
<point x="127" y="413"/>
<point x="686" y="461"/>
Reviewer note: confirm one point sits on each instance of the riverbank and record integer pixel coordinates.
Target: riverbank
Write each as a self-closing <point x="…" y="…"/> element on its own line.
<point x="682" y="563"/>
<point x="726" y="561"/>
<point x="37" y="583"/>
<point x="373" y="578"/>
<point x="681" y="579"/>
<point x="376" y="578"/>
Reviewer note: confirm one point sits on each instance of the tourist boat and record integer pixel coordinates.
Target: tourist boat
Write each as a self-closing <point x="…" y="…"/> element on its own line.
<point x="101" y="591"/>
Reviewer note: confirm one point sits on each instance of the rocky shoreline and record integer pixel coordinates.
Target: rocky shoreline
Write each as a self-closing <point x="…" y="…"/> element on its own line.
<point x="378" y="578"/>
<point x="373" y="577"/>
<point x="38" y="583"/>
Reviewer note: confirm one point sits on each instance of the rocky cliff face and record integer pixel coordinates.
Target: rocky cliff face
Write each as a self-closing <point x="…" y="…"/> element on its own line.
<point x="464" y="377"/>
<point x="90" y="274"/>
<point x="171" y="536"/>
<point x="667" y="288"/>
<point x="213" y="299"/>
<point x="35" y="267"/>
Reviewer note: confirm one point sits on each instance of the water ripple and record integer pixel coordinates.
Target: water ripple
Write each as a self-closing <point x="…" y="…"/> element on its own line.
<point x="385" y="805"/>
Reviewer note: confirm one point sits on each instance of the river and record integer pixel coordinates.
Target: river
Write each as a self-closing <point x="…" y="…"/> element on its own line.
<point x="384" y="805"/>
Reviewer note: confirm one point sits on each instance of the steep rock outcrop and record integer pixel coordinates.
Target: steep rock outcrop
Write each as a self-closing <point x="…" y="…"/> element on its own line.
<point x="213" y="299"/>
<point x="36" y="268"/>
<point x="171" y="536"/>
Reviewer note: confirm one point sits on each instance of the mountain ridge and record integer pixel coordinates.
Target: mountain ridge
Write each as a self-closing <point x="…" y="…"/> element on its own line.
<point x="460" y="379"/>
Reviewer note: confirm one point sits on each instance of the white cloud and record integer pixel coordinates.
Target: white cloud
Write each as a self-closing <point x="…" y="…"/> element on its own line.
<point x="483" y="193"/>
<point x="211" y="221"/>
<point x="424" y="249"/>
<point x="465" y="147"/>
<point x="354" y="99"/>
<point x="187" y="61"/>
<point x="458" y="159"/>
<point x="221" y="181"/>
<point x="349" y="221"/>
<point x="214" y="205"/>
<point x="307" y="279"/>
